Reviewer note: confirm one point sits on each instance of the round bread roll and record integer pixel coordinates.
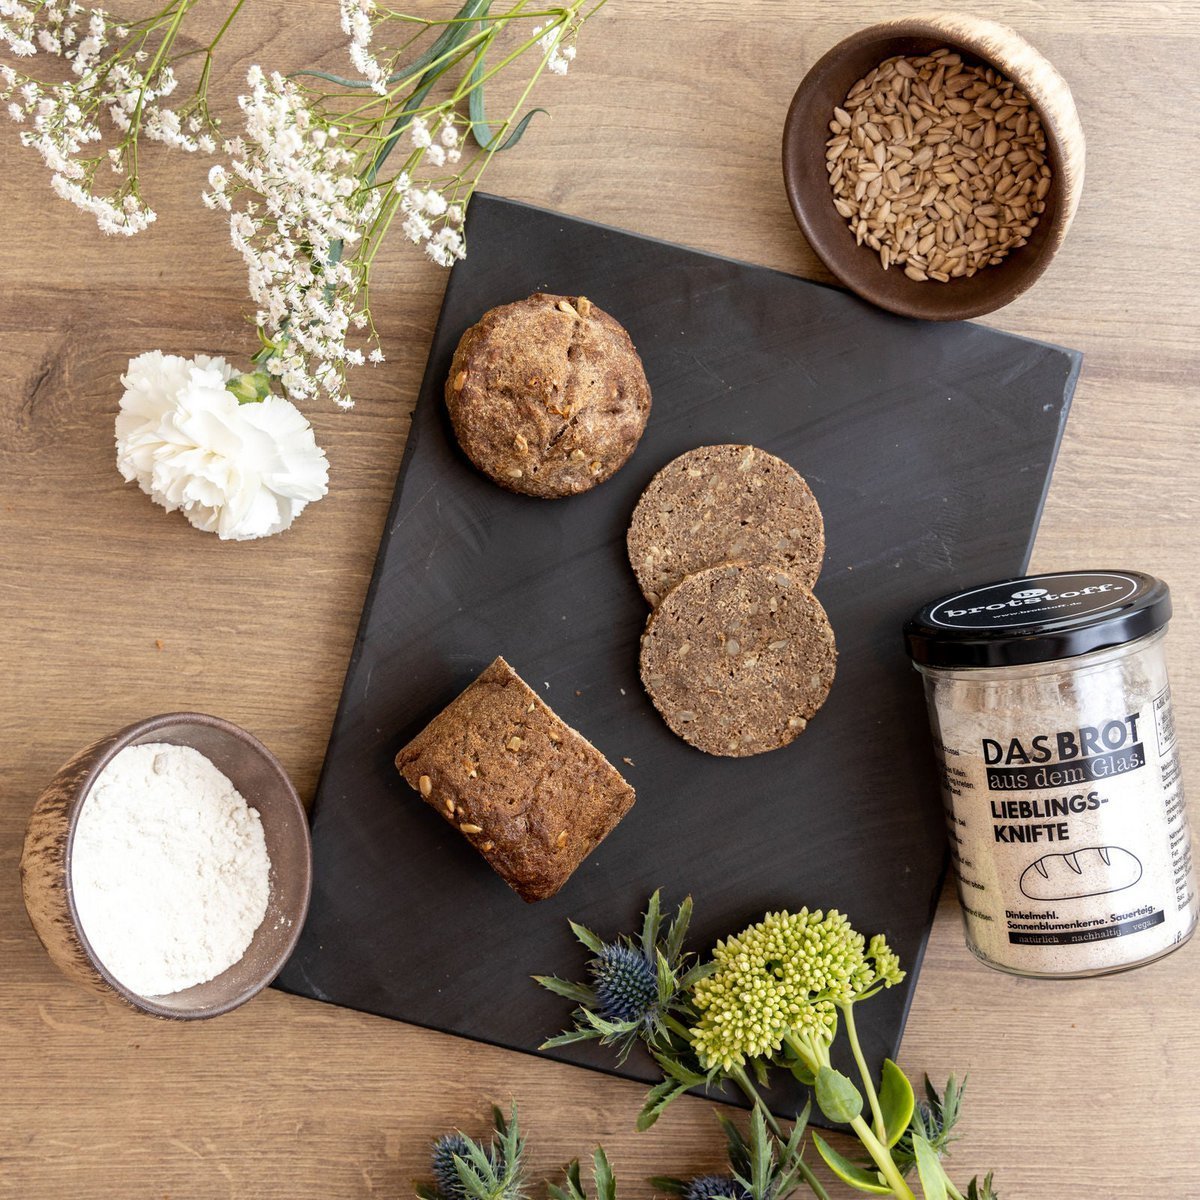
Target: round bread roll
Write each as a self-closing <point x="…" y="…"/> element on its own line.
<point x="738" y="658"/>
<point x="720" y="504"/>
<point x="547" y="396"/>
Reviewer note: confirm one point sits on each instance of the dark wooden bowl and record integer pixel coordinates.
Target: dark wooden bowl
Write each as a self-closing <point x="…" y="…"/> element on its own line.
<point x="807" y="182"/>
<point x="257" y="774"/>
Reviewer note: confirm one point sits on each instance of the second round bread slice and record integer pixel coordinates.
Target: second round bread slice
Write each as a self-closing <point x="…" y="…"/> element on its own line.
<point x="738" y="658"/>
<point x="718" y="504"/>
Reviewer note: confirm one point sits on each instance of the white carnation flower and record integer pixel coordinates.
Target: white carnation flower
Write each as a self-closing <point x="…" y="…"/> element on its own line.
<point x="240" y="470"/>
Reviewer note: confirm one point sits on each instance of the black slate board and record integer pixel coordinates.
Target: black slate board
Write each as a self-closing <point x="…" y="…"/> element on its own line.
<point x="929" y="448"/>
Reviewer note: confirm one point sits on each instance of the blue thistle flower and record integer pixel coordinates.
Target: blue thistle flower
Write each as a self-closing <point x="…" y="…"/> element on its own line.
<point x="626" y="983"/>
<point x="715" y="1187"/>
<point x="636" y="988"/>
<point x="445" y="1173"/>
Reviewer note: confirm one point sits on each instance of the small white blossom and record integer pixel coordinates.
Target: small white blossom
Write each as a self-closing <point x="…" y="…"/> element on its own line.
<point x="418" y="131"/>
<point x="559" y="57"/>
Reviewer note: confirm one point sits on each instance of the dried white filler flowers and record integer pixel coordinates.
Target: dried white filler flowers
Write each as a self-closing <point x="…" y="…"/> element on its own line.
<point x="320" y="167"/>
<point x="240" y="470"/>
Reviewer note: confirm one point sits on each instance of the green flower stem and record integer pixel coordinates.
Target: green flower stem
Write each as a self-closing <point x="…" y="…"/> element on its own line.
<point x="156" y="63"/>
<point x="812" y="1053"/>
<point x="882" y="1159"/>
<point x="739" y="1076"/>
<point x="815" y="1055"/>
<point x="847" y="1011"/>
<point x="206" y="70"/>
<point x="675" y="1025"/>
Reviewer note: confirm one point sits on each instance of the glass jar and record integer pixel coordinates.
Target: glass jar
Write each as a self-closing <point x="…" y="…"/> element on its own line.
<point x="1051" y="714"/>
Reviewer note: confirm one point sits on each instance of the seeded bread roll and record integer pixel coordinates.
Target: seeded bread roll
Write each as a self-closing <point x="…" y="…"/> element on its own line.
<point x="534" y="797"/>
<point x="719" y="504"/>
<point x="547" y="396"/>
<point x="738" y="658"/>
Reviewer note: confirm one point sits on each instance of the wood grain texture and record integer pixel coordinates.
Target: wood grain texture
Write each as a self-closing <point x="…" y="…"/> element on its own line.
<point x="669" y="125"/>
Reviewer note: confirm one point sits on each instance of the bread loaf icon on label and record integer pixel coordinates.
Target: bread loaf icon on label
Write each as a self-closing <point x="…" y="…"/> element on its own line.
<point x="1089" y="872"/>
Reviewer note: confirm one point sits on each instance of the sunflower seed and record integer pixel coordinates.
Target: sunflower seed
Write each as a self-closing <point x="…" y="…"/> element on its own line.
<point x="937" y="166"/>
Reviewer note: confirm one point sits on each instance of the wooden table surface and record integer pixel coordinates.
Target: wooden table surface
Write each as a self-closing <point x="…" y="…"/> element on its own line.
<point x="669" y="125"/>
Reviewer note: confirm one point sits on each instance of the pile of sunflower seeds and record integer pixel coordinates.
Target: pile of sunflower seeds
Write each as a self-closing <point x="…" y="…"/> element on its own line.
<point x="938" y="166"/>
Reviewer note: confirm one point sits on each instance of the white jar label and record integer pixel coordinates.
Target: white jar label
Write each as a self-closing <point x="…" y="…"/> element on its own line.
<point x="1071" y="843"/>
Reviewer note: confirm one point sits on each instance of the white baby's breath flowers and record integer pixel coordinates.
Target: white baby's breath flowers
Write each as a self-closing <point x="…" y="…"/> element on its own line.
<point x="66" y="121"/>
<point x="241" y="471"/>
<point x="303" y="185"/>
<point x="560" y="56"/>
<point x="297" y="208"/>
<point x="358" y="26"/>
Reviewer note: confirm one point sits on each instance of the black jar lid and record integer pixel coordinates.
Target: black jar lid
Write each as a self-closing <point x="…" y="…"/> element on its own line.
<point x="1037" y="618"/>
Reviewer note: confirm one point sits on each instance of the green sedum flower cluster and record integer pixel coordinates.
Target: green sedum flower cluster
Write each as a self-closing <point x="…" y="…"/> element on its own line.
<point x="785" y="978"/>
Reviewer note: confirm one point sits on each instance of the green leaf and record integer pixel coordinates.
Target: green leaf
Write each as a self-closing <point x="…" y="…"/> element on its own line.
<point x="665" y="977"/>
<point x="606" y="1184"/>
<point x="653" y="917"/>
<point x="518" y="130"/>
<point x="475" y="1184"/>
<point x="665" y="1183"/>
<point x="564" y="987"/>
<point x="457" y="29"/>
<point x="929" y="1169"/>
<point x="837" y="1096"/>
<point x="482" y="132"/>
<point x="802" y="1073"/>
<point x="678" y="1071"/>
<point x="736" y="1149"/>
<point x="570" y="1038"/>
<point x="982" y="1191"/>
<point x="848" y="1172"/>
<point x="423" y="1192"/>
<point x="762" y="1159"/>
<point x="897" y="1101"/>
<point x="695" y="974"/>
<point x="606" y="1027"/>
<point x="678" y="931"/>
<point x="587" y="937"/>
<point x="657" y="1100"/>
<point x="791" y="1158"/>
<point x="446" y="43"/>
<point x="574" y="1188"/>
<point x="798" y="1127"/>
<point x="340" y="80"/>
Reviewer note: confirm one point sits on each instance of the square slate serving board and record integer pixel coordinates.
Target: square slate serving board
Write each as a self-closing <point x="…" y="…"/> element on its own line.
<point x="929" y="448"/>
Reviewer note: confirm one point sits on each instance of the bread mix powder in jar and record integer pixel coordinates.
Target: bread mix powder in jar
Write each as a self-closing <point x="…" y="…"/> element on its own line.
<point x="1051" y="714"/>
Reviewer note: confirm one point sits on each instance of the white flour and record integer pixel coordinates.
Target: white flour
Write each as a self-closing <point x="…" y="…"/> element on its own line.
<point x="169" y="868"/>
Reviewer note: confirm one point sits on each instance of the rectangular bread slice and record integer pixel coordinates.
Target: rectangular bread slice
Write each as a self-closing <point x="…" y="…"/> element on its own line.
<point x="532" y="795"/>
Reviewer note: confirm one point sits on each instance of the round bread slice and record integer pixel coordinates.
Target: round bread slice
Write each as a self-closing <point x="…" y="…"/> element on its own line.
<point x="547" y="396"/>
<point x="720" y="504"/>
<point x="738" y="658"/>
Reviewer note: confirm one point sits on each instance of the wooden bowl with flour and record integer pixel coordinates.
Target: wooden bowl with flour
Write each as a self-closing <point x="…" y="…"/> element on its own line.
<point x="50" y="844"/>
